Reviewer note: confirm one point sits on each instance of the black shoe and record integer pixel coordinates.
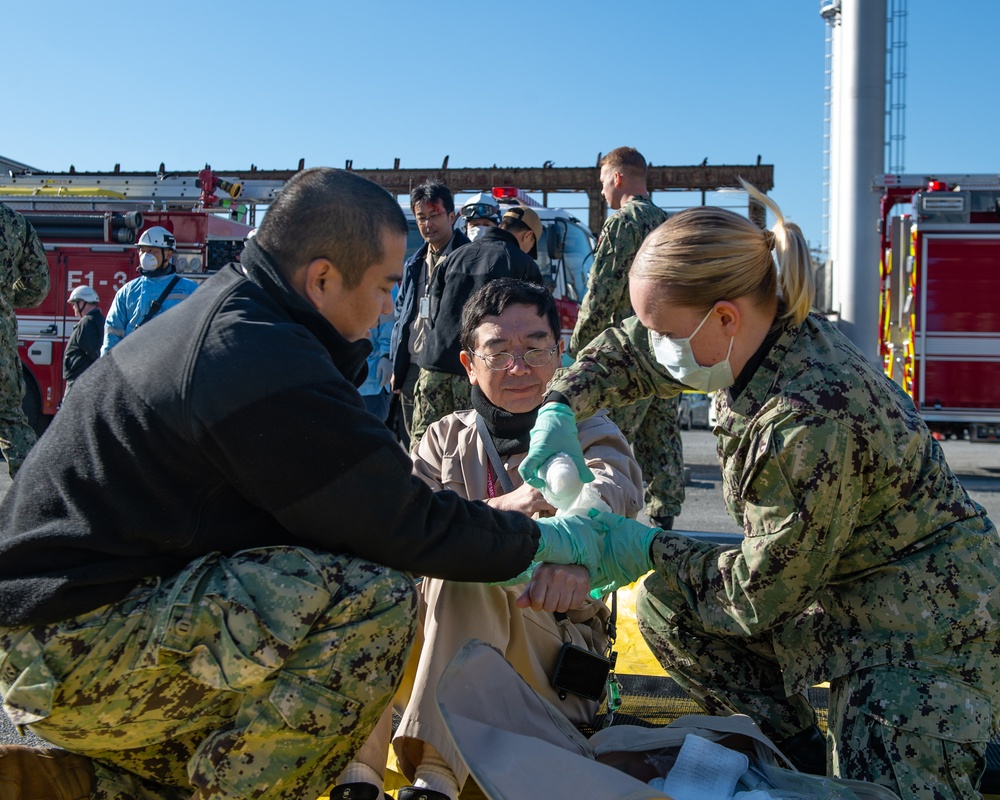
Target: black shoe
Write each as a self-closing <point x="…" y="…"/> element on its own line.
<point x="663" y="523"/>
<point x="357" y="791"/>
<point x="806" y="750"/>
<point x="413" y="793"/>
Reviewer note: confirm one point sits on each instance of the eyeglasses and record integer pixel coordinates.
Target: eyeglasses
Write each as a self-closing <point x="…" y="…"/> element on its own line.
<point x="538" y="357"/>
<point x="422" y="220"/>
<point x="480" y="211"/>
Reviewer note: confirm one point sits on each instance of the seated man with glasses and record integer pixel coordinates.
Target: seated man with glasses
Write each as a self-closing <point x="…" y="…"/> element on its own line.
<point x="510" y="351"/>
<point x="506" y="251"/>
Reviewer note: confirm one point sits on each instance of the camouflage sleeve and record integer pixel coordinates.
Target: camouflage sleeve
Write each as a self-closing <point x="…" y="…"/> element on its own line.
<point x="607" y="286"/>
<point x="802" y="484"/>
<point x="31" y="271"/>
<point x="615" y="369"/>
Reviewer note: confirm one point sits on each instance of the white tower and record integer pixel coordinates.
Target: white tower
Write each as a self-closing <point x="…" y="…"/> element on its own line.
<point x="857" y="145"/>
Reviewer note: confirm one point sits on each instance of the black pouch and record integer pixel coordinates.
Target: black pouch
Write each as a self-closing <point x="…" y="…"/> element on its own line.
<point x="581" y="672"/>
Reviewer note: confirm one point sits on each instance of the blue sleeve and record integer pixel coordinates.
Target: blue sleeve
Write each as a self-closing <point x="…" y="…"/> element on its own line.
<point x="115" y="322"/>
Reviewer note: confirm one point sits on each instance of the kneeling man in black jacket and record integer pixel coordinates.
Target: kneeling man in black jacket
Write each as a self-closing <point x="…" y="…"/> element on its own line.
<point x="205" y="563"/>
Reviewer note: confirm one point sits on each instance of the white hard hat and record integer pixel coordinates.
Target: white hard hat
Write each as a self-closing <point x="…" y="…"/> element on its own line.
<point x="84" y="293"/>
<point x="157" y="236"/>
<point x="481" y="206"/>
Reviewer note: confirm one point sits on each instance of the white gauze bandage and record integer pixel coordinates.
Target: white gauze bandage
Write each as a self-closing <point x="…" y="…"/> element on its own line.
<point x="564" y="489"/>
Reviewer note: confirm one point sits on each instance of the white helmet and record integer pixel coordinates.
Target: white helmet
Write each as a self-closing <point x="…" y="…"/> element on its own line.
<point x="157" y="236"/>
<point x="481" y="206"/>
<point x="84" y="293"/>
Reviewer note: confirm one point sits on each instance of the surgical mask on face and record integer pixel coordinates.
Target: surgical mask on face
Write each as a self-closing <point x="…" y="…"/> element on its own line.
<point x="147" y="262"/>
<point x="475" y="231"/>
<point x="678" y="358"/>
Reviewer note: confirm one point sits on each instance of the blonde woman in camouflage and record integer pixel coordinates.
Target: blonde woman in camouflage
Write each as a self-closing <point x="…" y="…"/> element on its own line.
<point x="864" y="562"/>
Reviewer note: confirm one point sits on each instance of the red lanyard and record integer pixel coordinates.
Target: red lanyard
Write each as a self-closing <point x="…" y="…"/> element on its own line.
<point x="490" y="486"/>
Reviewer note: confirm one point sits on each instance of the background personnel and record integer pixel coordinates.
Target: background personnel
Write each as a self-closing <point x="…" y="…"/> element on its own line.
<point x="480" y="213"/>
<point x="24" y="282"/>
<point x="434" y="208"/>
<point x="84" y="345"/>
<point x="649" y="424"/>
<point x="157" y="288"/>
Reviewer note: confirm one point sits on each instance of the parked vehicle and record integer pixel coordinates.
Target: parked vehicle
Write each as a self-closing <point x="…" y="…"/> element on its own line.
<point x="693" y="410"/>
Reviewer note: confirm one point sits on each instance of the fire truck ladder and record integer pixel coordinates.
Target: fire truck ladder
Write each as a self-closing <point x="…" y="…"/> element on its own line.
<point x="140" y="191"/>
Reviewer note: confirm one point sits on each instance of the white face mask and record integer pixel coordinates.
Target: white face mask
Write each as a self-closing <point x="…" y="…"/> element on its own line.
<point x="475" y="231"/>
<point x="678" y="358"/>
<point x="147" y="262"/>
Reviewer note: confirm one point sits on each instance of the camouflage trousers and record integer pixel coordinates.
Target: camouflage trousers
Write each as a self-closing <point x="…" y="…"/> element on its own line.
<point x="254" y="675"/>
<point x="437" y="395"/>
<point x="16" y="435"/>
<point x="919" y="728"/>
<point x="652" y="429"/>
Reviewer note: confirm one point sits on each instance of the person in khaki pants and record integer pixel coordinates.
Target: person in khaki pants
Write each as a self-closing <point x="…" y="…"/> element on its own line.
<point x="510" y="350"/>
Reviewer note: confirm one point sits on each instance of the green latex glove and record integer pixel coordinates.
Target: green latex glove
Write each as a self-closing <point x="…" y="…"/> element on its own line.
<point x="625" y="552"/>
<point x="554" y="432"/>
<point x="570" y="540"/>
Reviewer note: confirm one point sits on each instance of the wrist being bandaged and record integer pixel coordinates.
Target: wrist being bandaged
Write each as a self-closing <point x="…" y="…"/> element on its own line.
<point x="564" y="489"/>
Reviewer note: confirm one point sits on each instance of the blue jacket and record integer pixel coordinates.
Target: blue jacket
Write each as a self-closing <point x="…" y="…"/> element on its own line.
<point x="132" y="303"/>
<point x="406" y="308"/>
<point x="381" y="336"/>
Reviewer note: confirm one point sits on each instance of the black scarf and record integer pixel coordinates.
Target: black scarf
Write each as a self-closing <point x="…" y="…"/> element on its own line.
<point x="509" y="431"/>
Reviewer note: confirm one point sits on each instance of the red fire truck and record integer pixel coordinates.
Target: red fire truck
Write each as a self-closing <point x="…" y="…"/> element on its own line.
<point x="88" y="227"/>
<point x="940" y="306"/>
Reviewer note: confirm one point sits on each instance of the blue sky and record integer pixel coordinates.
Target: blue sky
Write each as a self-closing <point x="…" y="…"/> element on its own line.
<point x="515" y="84"/>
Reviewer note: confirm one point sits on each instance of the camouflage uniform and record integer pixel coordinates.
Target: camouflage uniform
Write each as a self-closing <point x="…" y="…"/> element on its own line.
<point x="864" y="563"/>
<point x="437" y="395"/>
<point x="24" y="282"/>
<point x="254" y="675"/>
<point x="650" y="424"/>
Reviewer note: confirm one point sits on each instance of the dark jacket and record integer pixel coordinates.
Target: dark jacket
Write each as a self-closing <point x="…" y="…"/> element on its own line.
<point x="495" y="254"/>
<point x="228" y="423"/>
<point x="84" y="345"/>
<point x="406" y="308"/>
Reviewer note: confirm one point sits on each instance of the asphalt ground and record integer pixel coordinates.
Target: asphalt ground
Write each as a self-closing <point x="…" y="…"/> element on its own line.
<point x="977" y="466"/>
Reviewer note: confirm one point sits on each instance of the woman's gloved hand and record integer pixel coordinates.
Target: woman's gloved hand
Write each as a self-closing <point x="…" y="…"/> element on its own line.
<point x="554" y="432"/>
<point x="624" y="553"/>
<point x="570" y="540"/>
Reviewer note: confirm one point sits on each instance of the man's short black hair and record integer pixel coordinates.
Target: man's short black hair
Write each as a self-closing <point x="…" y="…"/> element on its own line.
<point x="329" y="213"/>
<point x="496" y="296"/>
<point x="432" y="192"/>
<point x="514" y="225"/>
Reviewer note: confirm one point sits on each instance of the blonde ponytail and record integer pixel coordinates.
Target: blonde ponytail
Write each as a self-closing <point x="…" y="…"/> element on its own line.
<point x="791" y="252"/>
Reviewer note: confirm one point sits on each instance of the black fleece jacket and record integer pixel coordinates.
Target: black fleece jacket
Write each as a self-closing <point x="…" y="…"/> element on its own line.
<point x="495" y="254"/>
<point x="229" y="422"/>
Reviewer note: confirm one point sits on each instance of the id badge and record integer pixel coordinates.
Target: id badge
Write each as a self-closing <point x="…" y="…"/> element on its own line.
<point x="425" y="307"/>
